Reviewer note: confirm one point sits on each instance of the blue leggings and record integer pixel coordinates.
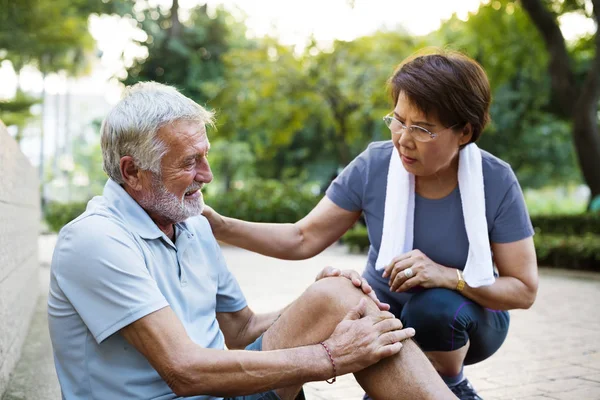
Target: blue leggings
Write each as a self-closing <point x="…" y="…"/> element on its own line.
<point x="444" y="320"/>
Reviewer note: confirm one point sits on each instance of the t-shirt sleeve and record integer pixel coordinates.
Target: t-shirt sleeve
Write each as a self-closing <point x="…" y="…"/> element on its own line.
<point x="512" y="222"/>
<point x="102" y="272"/>
<point x="347" y="190"/>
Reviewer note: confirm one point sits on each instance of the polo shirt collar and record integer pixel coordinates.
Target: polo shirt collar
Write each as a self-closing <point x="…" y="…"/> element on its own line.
<point x="137" y="218"/>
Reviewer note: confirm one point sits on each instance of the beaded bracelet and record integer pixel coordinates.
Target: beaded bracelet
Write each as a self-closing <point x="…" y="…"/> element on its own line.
<point x="332" y="380"/>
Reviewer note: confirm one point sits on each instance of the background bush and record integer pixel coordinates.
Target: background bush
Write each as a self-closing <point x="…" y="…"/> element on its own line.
<point x="561" y="241"/>
<point x="572" y="252"/>
<point x="578" y="224"/>
<point x="266" y="201"/>
<point x="58" y="215"/>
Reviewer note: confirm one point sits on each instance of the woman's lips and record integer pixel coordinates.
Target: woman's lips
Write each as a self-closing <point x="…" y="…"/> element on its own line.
<point x="408" y="160"/>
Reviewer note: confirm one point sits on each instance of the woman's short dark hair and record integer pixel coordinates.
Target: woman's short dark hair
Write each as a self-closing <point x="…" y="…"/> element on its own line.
<point x="447" y="84"/>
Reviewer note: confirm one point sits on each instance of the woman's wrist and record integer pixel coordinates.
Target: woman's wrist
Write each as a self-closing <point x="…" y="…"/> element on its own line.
<point x="451" y="280"/>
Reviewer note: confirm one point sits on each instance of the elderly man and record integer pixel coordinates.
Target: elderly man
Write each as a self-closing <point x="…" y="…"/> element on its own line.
<point x="142" y="304"/>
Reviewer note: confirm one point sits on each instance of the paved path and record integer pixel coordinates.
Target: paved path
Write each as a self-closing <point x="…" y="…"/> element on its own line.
<point x="552" y="351"/>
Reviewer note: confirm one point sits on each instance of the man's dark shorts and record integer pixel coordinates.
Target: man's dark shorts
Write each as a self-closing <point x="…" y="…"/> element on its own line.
<point x="270" y="395"/>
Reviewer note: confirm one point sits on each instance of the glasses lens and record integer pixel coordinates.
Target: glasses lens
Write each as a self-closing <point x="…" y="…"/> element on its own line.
<point x="388" y="120"/>
<point x="420" y="134"/>
<point x="394" y="125"/>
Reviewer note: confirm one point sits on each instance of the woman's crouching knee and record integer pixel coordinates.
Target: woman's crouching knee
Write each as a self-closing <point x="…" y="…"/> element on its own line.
<point x="435" y="315"/>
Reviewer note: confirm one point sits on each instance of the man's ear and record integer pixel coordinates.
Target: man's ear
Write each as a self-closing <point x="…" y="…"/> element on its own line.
<point x="130" y="173"/>
<point x="466" y="134"/>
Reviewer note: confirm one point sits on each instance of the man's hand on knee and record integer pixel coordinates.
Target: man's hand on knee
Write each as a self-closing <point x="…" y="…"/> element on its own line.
<point x="361" y="340"/>
<point x="356" y="280"/>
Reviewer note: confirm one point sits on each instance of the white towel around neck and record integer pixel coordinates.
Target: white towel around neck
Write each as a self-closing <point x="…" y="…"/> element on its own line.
<point x="398" y="220"/>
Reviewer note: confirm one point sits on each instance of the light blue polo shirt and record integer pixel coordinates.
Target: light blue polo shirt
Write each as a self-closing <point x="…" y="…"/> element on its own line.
<point x="113" y="265"/>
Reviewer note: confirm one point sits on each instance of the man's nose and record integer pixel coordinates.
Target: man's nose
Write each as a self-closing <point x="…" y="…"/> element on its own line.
<point x="204" y="173"/>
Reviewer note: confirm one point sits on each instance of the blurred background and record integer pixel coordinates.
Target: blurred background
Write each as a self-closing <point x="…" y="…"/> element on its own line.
<point x="300" y="89"/>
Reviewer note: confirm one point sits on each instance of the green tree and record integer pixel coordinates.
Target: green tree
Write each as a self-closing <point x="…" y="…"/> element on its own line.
<point x="573" y="99"/>
<point x="310" y="112"/>
<point x="231" y="161"/>
<point x="524" y="130"/>
<point x="186" y="54"/>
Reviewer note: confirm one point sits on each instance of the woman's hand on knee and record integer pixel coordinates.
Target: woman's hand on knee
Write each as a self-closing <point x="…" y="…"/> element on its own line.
<point x="361" y="340"/>
<point x="356" y="280"/>
<point x="414" y="268"/>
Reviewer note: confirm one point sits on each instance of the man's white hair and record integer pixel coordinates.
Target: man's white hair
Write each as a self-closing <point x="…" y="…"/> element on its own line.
<point x="131" y="127"/>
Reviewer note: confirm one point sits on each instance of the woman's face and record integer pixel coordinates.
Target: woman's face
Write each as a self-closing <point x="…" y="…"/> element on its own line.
<point x="431" y="158"/>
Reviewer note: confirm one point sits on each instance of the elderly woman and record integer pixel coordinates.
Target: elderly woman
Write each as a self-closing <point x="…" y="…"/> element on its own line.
<point x="451" y="240"/>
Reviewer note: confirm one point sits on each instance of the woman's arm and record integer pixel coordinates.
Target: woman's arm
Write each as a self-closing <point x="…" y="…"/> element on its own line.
<point x="325" y="224"/>
<point x="517" y="285"/>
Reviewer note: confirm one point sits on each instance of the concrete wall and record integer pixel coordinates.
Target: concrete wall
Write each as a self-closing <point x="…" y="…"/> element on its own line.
<point x="19" y="227"/>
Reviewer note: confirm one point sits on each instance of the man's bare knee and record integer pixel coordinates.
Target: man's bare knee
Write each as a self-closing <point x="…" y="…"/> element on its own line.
<point x="335" y="295"/>
<point x="313" y="317"/>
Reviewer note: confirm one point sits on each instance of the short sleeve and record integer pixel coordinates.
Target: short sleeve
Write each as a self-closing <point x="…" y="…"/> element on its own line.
<point x="347" y="190"/>
<point x="512" y="222"/>
<point x="102" y="272"/>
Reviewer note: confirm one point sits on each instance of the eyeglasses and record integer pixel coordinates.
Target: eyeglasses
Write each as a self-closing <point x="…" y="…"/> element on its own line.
<point x="418" y="133"/>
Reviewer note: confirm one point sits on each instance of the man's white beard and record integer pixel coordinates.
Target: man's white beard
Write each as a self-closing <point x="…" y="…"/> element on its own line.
<point x="168" y="206"/>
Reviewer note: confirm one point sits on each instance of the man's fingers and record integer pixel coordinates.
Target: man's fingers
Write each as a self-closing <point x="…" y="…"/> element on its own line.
<point x="389" y="324"/>
<point x="358" y="311"/>
<point x="394" y="336"/>
<point x="389" y="350"/>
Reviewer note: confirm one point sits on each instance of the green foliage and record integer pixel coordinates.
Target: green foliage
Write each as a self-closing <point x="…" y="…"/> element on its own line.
<point x="572" y="252"/>
<point x="58" y="215"/>
<point x="266" y="201"/>
<point x="48" y="34"/>
<point x="579" y="224"/>
<point x="554" y="201"/>
<point x="189" y="55"/>
<point x="231" y="161"/>
<point x="316" y="108"/>
<point x="357" y="238"/>
<point x="524" y="130"/>
<point x="17" y="111"/>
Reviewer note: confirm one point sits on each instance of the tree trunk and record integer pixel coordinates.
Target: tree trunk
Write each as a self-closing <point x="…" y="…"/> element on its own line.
<point x="175" y="30"/>
<point x="580" y="104"/>
<point x="340" y="142"/>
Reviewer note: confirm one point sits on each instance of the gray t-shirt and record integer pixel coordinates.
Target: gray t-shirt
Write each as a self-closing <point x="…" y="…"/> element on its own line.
<point x="439" y="228"/>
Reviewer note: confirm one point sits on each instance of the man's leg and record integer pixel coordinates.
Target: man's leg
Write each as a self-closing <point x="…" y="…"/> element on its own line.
<point x="313" y="317"/>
